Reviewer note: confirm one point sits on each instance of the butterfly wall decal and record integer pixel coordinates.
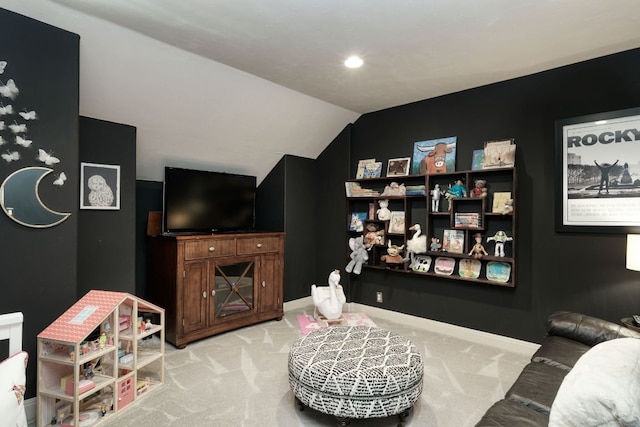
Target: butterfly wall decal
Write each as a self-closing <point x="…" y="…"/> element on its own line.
<point x="2" y="141"/>
<point x="11" y="156"/>
<point x="1" y="125"/>
<point x="22" y="141"/>
<point x="9" y="90"/>
<point x="18" y="128"/>
<point x="6" y="110"/>
<point x="61" y="179"/>
<point x="28" y="115"/>
<point x="2" y="65"/>
<point x="47" y="158"/>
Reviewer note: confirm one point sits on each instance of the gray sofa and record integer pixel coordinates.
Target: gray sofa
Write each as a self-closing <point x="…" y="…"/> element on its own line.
<point x="569" y="335"/>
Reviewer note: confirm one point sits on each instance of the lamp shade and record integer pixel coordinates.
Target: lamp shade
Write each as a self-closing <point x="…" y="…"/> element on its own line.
<point x="633" y="252"/>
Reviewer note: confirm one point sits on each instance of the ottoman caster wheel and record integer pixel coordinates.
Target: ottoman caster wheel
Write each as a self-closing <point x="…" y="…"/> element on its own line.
<point x="342" y="422"/>
<point x="299" y="404"/>
<point x="403" y="417"/>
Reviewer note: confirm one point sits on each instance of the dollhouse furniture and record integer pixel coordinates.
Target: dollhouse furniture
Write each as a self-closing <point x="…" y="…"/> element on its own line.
<point x="104" y="352"/>
<point x="12" y="373"/>
<point x="355" y="372"/>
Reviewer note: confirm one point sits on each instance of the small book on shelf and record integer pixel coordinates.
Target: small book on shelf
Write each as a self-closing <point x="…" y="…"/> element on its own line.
<point x="500" y="200"/>
<point x="361" y="167"/>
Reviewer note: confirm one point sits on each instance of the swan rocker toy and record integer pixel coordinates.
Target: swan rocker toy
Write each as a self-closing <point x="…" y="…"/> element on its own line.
<point x="329" y="299"/>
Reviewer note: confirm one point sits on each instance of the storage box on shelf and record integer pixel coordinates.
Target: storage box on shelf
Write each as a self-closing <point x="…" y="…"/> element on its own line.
<point x="468" y="215"/>
<point x="103" y="353"/>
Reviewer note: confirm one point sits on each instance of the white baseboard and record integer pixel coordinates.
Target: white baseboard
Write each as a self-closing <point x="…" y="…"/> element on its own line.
<point x="468" y="334"/>
<point x="31" y="409"/>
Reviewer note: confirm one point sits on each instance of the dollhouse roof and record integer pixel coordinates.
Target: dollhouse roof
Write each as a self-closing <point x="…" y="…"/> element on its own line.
<point x="88" y="313"/>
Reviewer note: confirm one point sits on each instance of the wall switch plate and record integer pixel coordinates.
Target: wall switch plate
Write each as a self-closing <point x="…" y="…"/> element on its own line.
<point x="378" y="296"/>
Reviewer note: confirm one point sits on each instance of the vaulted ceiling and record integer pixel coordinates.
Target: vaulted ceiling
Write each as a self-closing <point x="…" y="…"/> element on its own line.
<point x="413" y="49"/>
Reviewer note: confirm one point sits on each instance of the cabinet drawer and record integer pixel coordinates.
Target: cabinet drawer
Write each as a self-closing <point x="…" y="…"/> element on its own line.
<point x="209" y="248"/>
<point x="257" y="245"/>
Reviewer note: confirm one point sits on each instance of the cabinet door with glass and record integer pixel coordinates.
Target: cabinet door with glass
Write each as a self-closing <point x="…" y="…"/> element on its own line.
<point x="233" y="286"/>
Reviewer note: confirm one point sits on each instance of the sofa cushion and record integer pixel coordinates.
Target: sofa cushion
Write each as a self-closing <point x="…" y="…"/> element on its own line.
<point x="560" y="352"/>
<point x="603" y="388"/>
<point x="586" y="329"/>
<point x="511" y="413"/>
<point x="537" y="386"/>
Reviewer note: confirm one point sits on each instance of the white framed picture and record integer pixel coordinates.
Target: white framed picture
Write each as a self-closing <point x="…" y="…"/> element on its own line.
<point x="399" y="166"/>
<point x="99" y="186"/>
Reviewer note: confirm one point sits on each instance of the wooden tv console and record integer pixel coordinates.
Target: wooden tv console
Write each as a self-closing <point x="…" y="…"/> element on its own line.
<point x="209" y="284"/>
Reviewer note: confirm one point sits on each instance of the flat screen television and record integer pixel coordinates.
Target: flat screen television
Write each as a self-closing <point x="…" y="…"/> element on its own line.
<point x="197" y="201"/>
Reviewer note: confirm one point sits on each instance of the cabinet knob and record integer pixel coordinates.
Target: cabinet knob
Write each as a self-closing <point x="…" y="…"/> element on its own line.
<point x="204" y="295"/>
<point x="211" y="249"/>
<point x="213" y="292"/>
<point x="264" y="284"/>
<point x="259" y="245"/>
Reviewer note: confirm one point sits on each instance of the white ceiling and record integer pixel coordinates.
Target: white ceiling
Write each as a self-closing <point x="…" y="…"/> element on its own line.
<point x="413" y="49"/>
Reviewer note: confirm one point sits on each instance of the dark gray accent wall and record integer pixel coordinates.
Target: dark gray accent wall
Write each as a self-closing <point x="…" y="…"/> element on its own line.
<point x="556" y="271"/>
<point x="107" y="238"/>
<point x="39" y="265"/>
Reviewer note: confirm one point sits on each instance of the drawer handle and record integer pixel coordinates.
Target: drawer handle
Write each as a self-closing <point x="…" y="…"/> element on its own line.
<point x="213" y="292"/>
<point x="259" y="245"/>
<point x="264" y="284"/>
<point x="204" y="295"/>
<point x="211" y="249"/>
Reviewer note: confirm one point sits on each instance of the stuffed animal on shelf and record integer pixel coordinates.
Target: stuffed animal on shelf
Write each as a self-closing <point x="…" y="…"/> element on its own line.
<point x="480" y="189"/>
<point x="373" y="236"/>
<point x="358" y="255"/>
<point x="394" y="189"/>
<point x="393" y="259"/>
<point x="508" y="207"/>
<point x="384" y="214"/>
<point x="329" y="299"/>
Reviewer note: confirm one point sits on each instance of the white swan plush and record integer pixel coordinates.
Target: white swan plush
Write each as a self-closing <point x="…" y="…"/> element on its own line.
<point x="416" y="244"/>
<point x="329" y="299"/>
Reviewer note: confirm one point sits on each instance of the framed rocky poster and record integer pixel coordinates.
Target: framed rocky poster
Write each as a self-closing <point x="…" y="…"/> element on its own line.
<point x="598" y="172"/>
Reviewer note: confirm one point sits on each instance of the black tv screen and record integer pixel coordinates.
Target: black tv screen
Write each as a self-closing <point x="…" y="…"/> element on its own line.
<point x="205" y="202"/>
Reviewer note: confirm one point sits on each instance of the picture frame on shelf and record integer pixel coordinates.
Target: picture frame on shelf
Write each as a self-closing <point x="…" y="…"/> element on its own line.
<point x="434" y="156"/>
<point x="397" y="222"/>
<point x="500" y="200"/>
<point x="596" y="161"/>
<point x="357" y="221"/>
<point x="361" y="167"/>
<point x="499" y="154"/>
<point x="372" y="170"/>
<point x="99" y="186"/>
<point x="399" y="166"/>
<point x="453" y="241"/>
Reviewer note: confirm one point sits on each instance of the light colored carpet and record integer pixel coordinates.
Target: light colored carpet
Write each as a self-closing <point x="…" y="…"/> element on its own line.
<point x="240" y="379"/>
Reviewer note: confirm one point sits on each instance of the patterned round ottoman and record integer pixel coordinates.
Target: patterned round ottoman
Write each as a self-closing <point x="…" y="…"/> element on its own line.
<point x="356" y="372"/>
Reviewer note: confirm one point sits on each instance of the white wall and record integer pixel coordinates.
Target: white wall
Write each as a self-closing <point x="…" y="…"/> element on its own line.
<point x="189" y="111"/>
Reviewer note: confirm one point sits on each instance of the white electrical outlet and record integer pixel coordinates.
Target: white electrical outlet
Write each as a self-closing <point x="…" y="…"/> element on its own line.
<point x="378" y="296"/>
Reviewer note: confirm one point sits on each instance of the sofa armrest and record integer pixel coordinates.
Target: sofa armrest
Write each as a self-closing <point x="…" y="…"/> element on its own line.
<point x="586" y="329"/>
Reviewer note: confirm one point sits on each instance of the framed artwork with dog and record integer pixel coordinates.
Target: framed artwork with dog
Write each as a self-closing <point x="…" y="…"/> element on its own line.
<point x="598" y="172"/>
<point x="399" y="166"/>
<point x="434" y="156"/>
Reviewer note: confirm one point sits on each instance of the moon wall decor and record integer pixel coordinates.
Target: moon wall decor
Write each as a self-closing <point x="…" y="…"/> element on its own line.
<point x="21" y="201"/>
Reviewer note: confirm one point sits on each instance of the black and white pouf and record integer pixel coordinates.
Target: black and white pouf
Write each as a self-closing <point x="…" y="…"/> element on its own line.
<point x="356" y="372"/>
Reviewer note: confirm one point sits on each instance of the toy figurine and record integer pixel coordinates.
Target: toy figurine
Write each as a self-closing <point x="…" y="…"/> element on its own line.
<point x="393" y="259"/>
<point x="435" y="244"/>
<point x="88" y="372"/>
<point x="103" y="340"/>
<point x="480" y="188"/>
<point x="435" y="198"/>
<point x="103" y="408"/>
<point x="500" y="238"/>
<point x="477" y="251"/>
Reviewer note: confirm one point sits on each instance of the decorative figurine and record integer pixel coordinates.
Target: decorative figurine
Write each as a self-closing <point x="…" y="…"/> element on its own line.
<point x="480" y="188"/>
<point x="435" y="244"/>
<point x="384" y="214"/>
<point x="103" y="340"/>
<point x="329" y="299"/>
<point x="88" y="372"/>
<point x="435" y="198"/>
<point x="103" y="408"/>
<point x="477" y="251"/>
<point x="500" y="238"/>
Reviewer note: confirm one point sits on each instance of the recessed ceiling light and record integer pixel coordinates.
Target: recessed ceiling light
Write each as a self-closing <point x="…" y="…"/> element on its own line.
<point x="353" y="62"/>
